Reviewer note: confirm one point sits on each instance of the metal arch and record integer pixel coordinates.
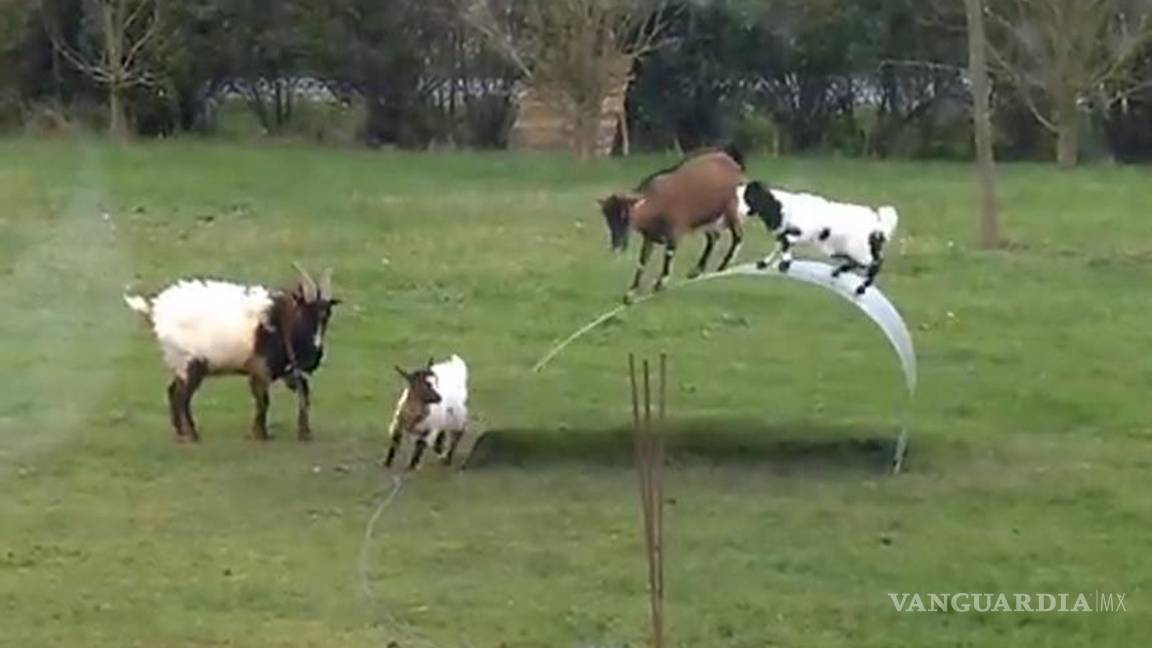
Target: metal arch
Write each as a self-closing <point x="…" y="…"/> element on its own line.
<point x="873" y="302"/>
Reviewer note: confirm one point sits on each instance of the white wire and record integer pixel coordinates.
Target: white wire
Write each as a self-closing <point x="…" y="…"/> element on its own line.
<point x="369" y="531"/>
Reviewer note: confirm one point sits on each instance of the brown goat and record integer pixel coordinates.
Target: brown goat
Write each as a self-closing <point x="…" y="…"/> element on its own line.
<point x="700" y="193"/>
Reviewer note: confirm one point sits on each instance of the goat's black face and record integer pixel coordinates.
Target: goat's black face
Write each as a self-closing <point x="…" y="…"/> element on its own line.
<point x="762" y="203"/>
<point x="311" y="324"/>
<point x="615" y="209"/>
<point x="421" y="384"/>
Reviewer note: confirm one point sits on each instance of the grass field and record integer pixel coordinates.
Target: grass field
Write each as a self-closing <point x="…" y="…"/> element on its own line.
<point x="1031" y="444"/>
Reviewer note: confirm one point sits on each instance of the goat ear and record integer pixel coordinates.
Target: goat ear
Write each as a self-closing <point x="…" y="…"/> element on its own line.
<point x="431" y="361"/>
<point x="403" y="374"/>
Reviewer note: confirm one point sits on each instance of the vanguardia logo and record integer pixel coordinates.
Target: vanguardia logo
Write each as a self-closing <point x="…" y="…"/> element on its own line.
<point x="1093" y="602"/>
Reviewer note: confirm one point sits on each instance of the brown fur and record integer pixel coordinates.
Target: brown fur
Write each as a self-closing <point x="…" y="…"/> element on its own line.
<point x="411" y="410"/>
<point x="700" y="193"/>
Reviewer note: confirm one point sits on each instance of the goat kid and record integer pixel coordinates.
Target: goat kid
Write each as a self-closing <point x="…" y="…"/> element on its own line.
<point x="209" y="328"/>
<point x="434" y="403"/>
<point x="853" y="235"/>
<point x="701" y="193"/>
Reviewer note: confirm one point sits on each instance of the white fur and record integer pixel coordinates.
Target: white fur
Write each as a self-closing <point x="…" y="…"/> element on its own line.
<point x="210" y="321"/>
<point x="138" y="304"/>
<point x="450" y="380"/>
<point x="849" y="225"/>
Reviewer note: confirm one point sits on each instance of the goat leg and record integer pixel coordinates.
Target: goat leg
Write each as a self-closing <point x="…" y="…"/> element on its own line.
<point x="175" y="408"/>
<point x="846" y="263"/>
<point x="303" y="404"/>
<point x="393" y="445"/>
<point x="259" y="387"/>
<point x="785" y="250"/>
<point x="195" y="375"/>
<point x="456" y="436"/>
<point x="669" y="255"/>
<point x="763" y="264"/>
<point x="734" y="249"/>
<point x="710" y="239"/>
<point x="416" y="453"/>
<point x="645" y="252"/>
<point x="870" y="276"/>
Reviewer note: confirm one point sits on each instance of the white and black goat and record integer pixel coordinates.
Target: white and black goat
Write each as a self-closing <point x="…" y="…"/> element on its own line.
<point x="207" y="328"/>
<point x="853" y="235"/>
<point x="699" y="193"/>
<point x="434" y="403"/>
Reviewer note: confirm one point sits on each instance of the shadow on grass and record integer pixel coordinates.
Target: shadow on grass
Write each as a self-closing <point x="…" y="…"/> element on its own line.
<point x="782" y="446"/>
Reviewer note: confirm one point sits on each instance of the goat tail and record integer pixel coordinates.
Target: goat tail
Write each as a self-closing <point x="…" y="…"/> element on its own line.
<point x="737" y="156"/>
<point x="139" y="304"/>
<point x="888" y="219"/>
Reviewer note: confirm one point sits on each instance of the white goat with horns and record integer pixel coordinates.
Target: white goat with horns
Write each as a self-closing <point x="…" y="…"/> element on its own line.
<point x="207" y="328"/>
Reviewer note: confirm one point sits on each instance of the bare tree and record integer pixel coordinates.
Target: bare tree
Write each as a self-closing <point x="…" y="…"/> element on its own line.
<point x="982" y="124"/>
<point x="576" y="52"/>
<point x="1063" y="54"/>
<point x="120" y="32"/>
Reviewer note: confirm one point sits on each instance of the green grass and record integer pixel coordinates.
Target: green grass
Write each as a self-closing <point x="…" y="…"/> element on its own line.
<point x="1028" y="471"/>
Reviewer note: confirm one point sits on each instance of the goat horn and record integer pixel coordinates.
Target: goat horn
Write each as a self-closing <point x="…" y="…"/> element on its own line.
<point x="326" y="283"/>
<point x="311" y="291"/>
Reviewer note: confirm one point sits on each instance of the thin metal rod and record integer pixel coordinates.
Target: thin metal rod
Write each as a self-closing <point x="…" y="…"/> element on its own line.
<point x="632" y="377"/>
<point x="658" y="467"/>
<point x="649" y="469"/>
<point x="639" y="440"/>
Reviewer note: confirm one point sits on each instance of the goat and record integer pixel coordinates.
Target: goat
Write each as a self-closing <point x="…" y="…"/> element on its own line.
<point x="731" y="151"/>
<point x="433" y="403"/>
<point x="699" y="193"/>
<point x="854" y="235"/>
<point x="208" y="328"/>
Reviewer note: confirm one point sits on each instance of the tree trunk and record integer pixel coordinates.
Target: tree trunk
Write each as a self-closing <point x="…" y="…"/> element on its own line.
<point x="982" y="126"/>
<point x="113" y="27"/>
<point x="1067" y="136"/>
<point x="625" y="141"/>
<point x="117" y="120"/>
<point x="585" y="123"/>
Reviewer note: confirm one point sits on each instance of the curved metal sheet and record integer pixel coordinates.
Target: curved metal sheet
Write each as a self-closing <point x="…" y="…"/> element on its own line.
<point x="873" y="302"/>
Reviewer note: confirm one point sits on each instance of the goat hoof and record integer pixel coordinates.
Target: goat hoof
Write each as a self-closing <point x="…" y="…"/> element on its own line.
<point x="628" y="299"/>
<point x="860" y="290"/>
<point x="695" y="273"/>
<point x="784" y="266"/>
